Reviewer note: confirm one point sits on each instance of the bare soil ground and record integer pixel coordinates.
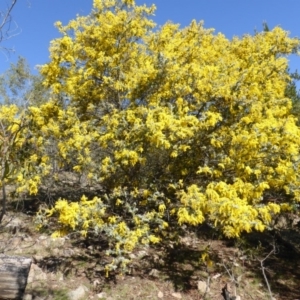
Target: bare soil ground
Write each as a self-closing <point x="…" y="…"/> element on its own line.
<point x="168" y="271"/>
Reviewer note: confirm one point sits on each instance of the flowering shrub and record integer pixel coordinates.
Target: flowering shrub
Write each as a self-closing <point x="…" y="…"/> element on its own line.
<point x="180" y="125"/>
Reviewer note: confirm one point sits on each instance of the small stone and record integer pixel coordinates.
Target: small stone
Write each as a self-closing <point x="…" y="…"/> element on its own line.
<point x="28" y="239"/>
<point x="202" y="287"/>
<point x="102" y="295"/>
<point x="176" y="295"/>
<point x="216" y="276"/>
<point x="160" y="294"/>
<point x="244" y="257"/>
<point x="96" y="282"/>
<point x="27" y="297"/>
<point x="142" y="254"/>
<point x="132" y="255"/>
<point x="68" y="252"/>
<point x="154" y="273"/>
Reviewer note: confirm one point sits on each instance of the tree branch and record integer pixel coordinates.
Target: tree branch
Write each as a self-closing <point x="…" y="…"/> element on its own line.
<point x="6" y="18"/>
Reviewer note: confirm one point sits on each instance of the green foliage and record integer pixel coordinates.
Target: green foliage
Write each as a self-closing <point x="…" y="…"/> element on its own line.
<point x="20" y="87"/>
<point x="293" y="93"/>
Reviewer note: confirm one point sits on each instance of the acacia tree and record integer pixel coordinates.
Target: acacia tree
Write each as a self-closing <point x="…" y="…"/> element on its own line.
<point x="180" y="125"/>
<point x="21" y="162"/>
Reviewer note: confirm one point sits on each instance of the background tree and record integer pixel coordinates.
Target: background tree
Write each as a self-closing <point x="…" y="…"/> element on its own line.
<point x="19" y="86"/>
<point x="292" y="92"/>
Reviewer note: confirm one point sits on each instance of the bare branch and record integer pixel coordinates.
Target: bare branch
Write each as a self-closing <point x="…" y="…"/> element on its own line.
<point x="6" y="20"/>
<point x="8" y="28"/>
<point x="273" y="251"/>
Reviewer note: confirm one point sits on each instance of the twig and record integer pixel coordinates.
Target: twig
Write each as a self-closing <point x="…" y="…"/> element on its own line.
<point x="6" y="32"/>
<point x="225" y="292"/>
<point x="263" y="270"/>
<point x="6" y="18"/>
<point x="207" y="287"/>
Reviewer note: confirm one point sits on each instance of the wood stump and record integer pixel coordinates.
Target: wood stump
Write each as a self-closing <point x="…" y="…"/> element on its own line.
<point x="14" y="271"/>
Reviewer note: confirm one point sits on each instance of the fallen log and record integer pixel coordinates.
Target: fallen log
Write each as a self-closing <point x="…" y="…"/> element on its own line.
<point x="14" y="272"/>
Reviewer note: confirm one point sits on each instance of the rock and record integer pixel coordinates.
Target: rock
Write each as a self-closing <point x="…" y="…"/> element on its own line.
<point x="154" y="273"/>
<point x="160" y="294"/>
<point x="142" y="254"/>
<point x="132" y="255"/>
<point x="216" y="276"/>
<point x="95" y="283"/>
<point x="14" y="223"/>
<point x="27" y="297"/>
<point x="79" y="293"/>
<point x="68" y="252"/>
<point x="28" y="239"/>
<point x="102" y="295"/>
<point x="176" y="295"/>
<point x="202" y="287"/>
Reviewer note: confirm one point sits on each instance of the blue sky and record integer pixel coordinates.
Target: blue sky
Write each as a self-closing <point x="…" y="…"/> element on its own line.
<point x="35" y="19"/>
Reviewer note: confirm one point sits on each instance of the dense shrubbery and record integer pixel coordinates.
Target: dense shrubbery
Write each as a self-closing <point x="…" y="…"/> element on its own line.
<point x="179" y="125"/>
